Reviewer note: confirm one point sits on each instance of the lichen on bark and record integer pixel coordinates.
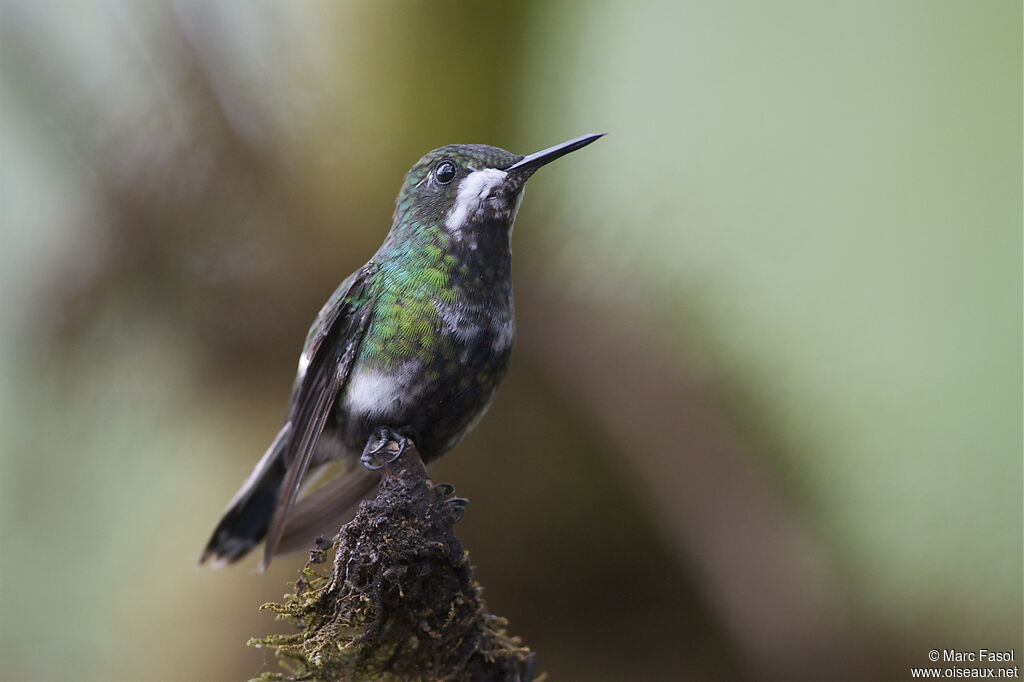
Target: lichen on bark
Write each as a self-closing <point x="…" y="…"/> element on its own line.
<point x="399" y="601"/>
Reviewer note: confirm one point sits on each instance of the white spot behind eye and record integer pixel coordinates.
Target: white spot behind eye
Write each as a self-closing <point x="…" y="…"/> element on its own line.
<point x="473" y="190"/>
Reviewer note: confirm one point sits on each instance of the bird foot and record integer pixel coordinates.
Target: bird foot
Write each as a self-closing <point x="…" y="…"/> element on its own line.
<point x="456" y="504"/>
<point x="373" y="457"/>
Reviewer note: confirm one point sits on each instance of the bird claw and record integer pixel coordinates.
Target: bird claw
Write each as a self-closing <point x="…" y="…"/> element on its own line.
<point x="377" y="445"/>
<point x="458" y="505"/>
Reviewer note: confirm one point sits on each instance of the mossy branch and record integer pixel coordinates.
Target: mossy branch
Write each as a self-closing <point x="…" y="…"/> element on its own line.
<point x="400" y="601"/>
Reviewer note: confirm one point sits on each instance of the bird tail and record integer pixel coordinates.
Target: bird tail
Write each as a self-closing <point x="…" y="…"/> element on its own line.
<point x="244" y="523"/>
<point x="321" y="512"/>
<point x="324" y="510"/>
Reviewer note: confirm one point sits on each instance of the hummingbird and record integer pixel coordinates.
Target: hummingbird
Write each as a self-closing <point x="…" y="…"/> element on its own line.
<point x="410" y="346"/>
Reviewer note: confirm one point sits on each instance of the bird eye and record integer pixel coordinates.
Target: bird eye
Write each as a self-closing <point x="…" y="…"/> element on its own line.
<point x="445" y="172"/>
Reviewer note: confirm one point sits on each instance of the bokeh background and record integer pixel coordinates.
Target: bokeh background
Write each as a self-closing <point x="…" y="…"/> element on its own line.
<point x="764" y="414"/>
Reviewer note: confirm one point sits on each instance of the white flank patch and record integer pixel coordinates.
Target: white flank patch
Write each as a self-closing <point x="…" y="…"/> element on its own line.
<point x="303" y="364"/>
<point x="473" y="191"/>
<point x="372" y="393"/>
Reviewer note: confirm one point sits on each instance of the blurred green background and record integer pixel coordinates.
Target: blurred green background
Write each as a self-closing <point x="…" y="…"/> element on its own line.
<point x="764" y="414"/>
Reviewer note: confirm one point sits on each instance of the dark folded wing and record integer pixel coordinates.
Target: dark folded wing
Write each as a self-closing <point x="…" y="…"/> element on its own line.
<point x="331" y="348"/>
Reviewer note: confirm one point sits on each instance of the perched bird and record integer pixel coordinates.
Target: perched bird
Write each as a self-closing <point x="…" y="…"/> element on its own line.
<point x="412" y="345"/>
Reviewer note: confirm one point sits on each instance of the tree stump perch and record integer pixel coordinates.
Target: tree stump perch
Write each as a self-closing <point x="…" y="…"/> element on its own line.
<point x="400" y="601"/>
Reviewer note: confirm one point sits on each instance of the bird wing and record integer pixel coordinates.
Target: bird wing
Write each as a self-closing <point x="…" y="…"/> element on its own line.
<point x="330" y="350"/>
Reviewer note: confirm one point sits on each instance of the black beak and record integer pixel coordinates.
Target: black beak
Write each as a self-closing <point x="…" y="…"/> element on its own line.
<point x="534" y="161"/>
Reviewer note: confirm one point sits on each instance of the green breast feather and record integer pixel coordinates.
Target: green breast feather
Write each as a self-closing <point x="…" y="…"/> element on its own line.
<point x="412" y="276"/>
